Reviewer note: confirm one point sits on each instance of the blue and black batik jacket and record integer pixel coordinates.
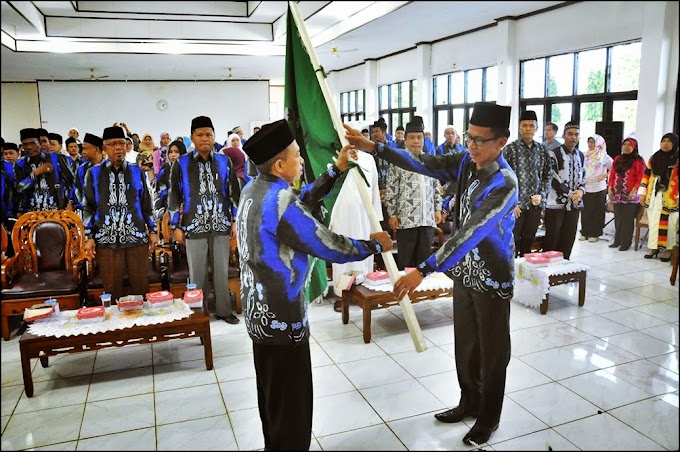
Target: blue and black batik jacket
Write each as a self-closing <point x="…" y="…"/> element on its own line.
<point x="207" y="191"/>
<point x="480" y="254"/>
<point x="276" y="235"/>
<point x="79" y="183"/>
<point x="117" y="210"/>
<point x="49" y="191"/>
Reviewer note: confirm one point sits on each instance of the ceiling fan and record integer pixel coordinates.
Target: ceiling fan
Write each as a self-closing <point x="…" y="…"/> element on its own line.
<point x="92" y="76"/>
<point x="335" y="50"/>
<point x="230" y="76"/>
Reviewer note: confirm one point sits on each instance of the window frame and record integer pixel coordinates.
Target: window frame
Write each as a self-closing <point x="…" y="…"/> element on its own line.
<point x="346" y="115"/>
<point x="607" y="98"/>
<point x="405" y="114"/>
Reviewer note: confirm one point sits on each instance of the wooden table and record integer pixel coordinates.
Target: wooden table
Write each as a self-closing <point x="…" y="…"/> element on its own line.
<point x="533" y="283"/>
<point x="42" y="347"/>
<point x="556" y="280"/>
<point x="369" y="300"/>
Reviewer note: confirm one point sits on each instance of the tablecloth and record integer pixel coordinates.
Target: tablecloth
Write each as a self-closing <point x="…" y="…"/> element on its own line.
<point x="66" y="323"/>
<point x="533" y="283"/>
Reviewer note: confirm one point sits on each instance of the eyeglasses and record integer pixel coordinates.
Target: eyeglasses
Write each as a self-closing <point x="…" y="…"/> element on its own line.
<point x="113" y="144"/>
<point x="477" y="140"/>
<point x="30" y="143"/>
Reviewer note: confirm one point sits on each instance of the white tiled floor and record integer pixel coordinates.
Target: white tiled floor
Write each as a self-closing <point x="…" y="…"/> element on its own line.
<point x="604" y="376"/>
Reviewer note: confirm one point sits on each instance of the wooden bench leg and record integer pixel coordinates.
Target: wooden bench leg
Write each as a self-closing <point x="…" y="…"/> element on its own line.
<point x="367" y="323"/>
<point x="345" y="309"/>
<point x="544" y="303"/>
<point x="6" y="333"/>
<point x="581" y="288"/>
<point x="26" y="371"/>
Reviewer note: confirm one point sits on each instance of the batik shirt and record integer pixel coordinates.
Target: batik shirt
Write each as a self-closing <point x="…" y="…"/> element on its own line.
<point x="162" y="188"/>
<point x="445" y="148"/>
<point x="276" y="235"/>
<point x="568" y="175"/>
<point x="49" y="191"/>
<point x="412" y="198"/>
<point x="532" y="167"/>
<point x="480" y="254"/>
<point x="207" y="191"/>
<point x="117" y="206"/>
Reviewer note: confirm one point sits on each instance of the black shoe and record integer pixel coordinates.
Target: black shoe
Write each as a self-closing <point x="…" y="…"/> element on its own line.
<point x="614" y="245"/>
<point x="652" y="254"/>
<point x="456" y="414"/>
<point x="337" y="305"/>
<point x="231" y="319"/>
<point x="479" y="435"/>
<point x="624" y="248"/>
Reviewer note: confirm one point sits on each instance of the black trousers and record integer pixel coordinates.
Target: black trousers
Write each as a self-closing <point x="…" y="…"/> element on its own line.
<point x="284" y="395"/>
<point x="560" y="230"/>
<point x="481" y="326"/>
<point x="594" y="208"/>
<point x="415" y="245"/>
<point x="624" y="223"/>
<point x="525" y="229"/>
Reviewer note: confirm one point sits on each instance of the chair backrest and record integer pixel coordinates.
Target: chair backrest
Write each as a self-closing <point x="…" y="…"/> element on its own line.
<point x="48" y="239"/>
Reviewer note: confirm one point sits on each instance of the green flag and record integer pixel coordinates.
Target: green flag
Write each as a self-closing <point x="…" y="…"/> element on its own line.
<point x="309" y="118"/>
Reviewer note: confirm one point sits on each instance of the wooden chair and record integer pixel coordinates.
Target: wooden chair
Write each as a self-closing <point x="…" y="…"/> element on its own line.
<point x="674" y="264"/>
<point x="5" y="241"/>
<point x="49" y="262"/>
<point x="641" y="221"/>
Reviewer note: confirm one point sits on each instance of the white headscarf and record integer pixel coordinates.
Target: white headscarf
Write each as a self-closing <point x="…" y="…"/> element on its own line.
<point x="231" y="137"/>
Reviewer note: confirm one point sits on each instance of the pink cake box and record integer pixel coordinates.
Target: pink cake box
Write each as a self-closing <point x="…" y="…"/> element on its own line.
<point x="129" y="305"/>
<point x="91" y="315"/>
<point x="159" y="299"/>
<point x="378" y="278"/>
<point x="553" y="256"/>
<point x="39" y="315"/>
<point x="194" y="298"/>
<point x="536" y="259"/>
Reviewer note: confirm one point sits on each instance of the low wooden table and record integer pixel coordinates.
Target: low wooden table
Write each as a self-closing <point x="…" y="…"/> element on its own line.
<point x="42" y="347"/>
<point x="556" y="280"/>
<point x="369" y="300"/>
<point x="532" y="284"/>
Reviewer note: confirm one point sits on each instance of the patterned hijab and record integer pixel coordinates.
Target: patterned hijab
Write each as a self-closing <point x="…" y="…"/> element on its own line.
<point x="625" y="161"/>
<point x="597" y="158"/>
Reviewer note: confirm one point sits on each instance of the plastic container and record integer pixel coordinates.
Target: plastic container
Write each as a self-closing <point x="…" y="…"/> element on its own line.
<point x="106" y="299"/>
<point x="54" y="303"/>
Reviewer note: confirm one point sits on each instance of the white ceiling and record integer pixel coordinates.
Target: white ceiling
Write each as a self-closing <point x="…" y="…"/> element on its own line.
<point x="195" y="40"/>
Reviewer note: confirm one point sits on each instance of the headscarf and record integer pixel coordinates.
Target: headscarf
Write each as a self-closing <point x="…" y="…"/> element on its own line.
<point x="663" y="161"/>
<point x="143" y="147"/>
<point x="625" y="161"/>
<point x="180" y="145"/>
<point x="597" y="158"/>
<point x="231" y="137"/>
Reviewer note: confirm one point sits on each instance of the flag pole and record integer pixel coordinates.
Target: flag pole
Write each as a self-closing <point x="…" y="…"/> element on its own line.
<point x="388" y="258"/>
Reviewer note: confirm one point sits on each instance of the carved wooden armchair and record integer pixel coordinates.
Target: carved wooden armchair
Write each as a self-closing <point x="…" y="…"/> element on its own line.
<point x="49" y="262"/>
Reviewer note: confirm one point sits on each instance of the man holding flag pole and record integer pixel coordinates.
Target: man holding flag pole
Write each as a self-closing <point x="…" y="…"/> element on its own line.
<point x="479" y="257"/>
<point x="319" y="132"/>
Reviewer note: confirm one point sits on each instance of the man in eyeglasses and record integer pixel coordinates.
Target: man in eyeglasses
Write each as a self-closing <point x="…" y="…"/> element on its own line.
<point x="118" y="218"/>
<point x="44" y="179"/>
<point x="479" y="257"/>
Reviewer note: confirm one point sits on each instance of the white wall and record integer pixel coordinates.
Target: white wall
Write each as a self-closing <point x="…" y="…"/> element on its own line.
<point x="397" y="68"/>
<point x="92" y="106"/>
<point x="19" y="109"/>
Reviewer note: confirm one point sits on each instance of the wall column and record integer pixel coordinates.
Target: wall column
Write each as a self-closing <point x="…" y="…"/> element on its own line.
<point x="424" y="84"/>
<point x="658" y="75"/>
<point x="371" y="86"/>
<point x="508" y="69"/>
